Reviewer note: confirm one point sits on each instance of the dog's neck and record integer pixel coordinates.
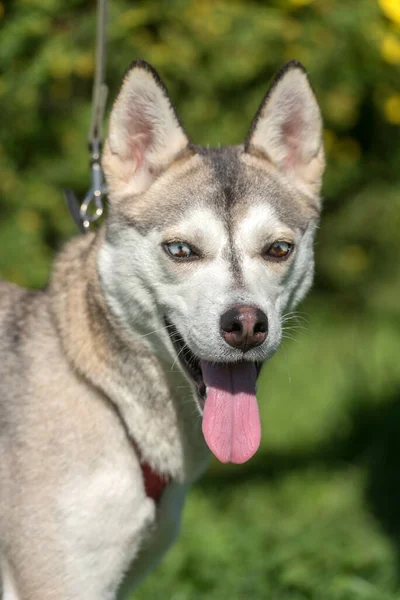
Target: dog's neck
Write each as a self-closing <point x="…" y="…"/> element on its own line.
<point x="155" y="404"/>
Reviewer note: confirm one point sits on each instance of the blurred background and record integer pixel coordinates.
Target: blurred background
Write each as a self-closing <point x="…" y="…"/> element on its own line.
<point x="316" y="513"/>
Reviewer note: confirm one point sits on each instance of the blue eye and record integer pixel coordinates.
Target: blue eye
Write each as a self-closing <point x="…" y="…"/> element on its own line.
<point x="179" y="250"/>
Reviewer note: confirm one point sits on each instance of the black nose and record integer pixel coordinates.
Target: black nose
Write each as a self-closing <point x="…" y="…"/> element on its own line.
<point x="244" y="327"/>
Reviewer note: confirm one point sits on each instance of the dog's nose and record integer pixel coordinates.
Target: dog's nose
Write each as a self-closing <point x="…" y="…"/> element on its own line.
<point x="244" y="327"/>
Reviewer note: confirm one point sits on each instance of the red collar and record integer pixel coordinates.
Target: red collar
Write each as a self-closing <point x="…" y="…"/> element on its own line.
<point x="154" y="483"/>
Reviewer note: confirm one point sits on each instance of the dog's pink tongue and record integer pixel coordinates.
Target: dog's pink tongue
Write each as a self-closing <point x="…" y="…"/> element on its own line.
<point x="231" y="421"/>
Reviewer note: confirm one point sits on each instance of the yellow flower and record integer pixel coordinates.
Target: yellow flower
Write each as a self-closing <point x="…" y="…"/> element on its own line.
<point x="391" y="8"/>
<point x="391" y="108"/>
<point x="390" y="49"/>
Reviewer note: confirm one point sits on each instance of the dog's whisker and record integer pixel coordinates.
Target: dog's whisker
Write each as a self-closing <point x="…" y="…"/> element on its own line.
<point x="295" y="318"/>
<point x="184" y="347"/>
<point x="290" y="337"/>
<point x="163" y="327"/>
<point x="295" y="328"/>
<point x="209" y="299"/>
<point x="296" y="313"/>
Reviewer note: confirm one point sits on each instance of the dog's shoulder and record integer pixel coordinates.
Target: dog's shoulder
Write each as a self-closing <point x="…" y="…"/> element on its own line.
<point x="10" y="293"/>
<point x="16" y="307"/>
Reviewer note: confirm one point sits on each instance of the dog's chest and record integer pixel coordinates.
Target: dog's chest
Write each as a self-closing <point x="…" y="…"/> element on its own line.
<point x="110" y="527"/>
<point x="105" y="519"/>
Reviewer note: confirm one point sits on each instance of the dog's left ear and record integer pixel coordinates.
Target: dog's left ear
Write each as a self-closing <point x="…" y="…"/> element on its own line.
<point x="145" y="134"/>
<point x="287" y="129"/>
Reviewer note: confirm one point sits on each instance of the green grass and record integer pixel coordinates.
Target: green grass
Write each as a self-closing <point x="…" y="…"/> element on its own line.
<point x="316" y="513"/>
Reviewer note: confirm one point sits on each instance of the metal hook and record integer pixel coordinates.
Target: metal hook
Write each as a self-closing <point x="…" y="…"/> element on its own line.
<point x="96" y="190"/>
<point x="91" y="209"/>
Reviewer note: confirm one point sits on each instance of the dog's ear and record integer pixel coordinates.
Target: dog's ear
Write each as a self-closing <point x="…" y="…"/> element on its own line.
<point x="145" y="134"/>
<point x="287" y="129"/>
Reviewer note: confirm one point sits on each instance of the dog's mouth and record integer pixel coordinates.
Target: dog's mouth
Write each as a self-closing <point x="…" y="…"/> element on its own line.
<point x="188" y="360"/>
<point x="227" y="395"/>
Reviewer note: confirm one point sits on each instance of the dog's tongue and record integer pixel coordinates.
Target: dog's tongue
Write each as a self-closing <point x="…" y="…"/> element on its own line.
<point x="231" y="421"/>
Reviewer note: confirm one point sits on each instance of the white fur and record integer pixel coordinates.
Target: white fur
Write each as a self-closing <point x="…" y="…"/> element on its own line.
<point x="194" y="299"/>
<point x="101" y="502"/>
<point x="8" y="582"/>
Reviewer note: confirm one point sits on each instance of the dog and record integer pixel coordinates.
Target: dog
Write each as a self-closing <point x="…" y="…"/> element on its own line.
<point x="140" y="358"/>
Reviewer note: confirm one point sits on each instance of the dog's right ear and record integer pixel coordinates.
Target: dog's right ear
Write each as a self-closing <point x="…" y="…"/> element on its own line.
<point x="145" y="134"/>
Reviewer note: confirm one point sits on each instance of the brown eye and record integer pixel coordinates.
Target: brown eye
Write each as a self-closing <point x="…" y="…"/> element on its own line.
<point x="279" y="250"/>
<point x="179" y="250"/>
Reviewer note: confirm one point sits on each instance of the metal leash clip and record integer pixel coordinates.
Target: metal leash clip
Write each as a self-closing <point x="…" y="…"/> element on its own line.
<point x="96" y="191"/>
<point x="91" y="209"/>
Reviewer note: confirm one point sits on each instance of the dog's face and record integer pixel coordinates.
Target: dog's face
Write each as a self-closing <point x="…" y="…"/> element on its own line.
<point x="207" y="248"/>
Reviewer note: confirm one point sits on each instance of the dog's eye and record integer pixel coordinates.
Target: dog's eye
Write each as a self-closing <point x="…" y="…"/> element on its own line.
<point x="279" y="250"/>
<point x="179" y="250"/>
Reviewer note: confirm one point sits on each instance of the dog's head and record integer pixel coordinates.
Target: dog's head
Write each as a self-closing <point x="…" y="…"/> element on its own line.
<point x="207" y="248"/>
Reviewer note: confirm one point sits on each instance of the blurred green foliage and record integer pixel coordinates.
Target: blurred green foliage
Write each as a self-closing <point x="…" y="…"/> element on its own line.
<point x="216" y="57"/>
<point x="327" y="525"/>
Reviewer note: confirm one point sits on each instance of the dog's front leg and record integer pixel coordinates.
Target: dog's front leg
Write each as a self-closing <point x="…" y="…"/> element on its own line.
<point x="162" y="537"/>
<point x="8" y="589"/>
<point x="86" y="564"/>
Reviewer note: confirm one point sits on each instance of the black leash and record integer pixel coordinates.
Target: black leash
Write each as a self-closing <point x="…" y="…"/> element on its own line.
<point x="91" y="208"/>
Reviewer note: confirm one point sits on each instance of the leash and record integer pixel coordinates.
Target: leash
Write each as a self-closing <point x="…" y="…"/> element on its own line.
<point x="91" y="208"/>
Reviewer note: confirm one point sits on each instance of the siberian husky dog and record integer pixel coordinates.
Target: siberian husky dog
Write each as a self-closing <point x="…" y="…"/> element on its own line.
<point x="142" y="354"/>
